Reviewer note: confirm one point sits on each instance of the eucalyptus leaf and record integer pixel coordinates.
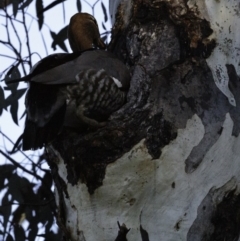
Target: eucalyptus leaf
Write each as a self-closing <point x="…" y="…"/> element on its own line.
<point x="39" y="8"/>
<point x="104" y="12"/>
<point x="79" y="6"/>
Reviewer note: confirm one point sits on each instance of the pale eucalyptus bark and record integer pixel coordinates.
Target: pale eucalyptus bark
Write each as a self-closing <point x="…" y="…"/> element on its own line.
<point x="167" y="164"/>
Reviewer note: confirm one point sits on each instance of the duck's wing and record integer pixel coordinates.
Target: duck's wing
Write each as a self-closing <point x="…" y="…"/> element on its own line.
<point x="47" y="63"/>
<point x="99" y="60"/>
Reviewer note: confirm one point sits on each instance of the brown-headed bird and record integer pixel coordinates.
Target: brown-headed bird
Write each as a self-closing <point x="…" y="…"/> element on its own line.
<point x="91" y="83"/>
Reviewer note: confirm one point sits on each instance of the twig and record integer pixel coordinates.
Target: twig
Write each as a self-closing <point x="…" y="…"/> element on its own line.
<point x="19" y="166"/>
<point x="44" y="24"/>
<point x="15" y="31"/>
<point x="63" y="12"/>
<point x="27" y="42"/>
<point x="106" y="32"/>
<point x="7" y="56"/>
<point x="93" y="7"/>
<point x="44" y="43"/>
<point x="9" y="44"/>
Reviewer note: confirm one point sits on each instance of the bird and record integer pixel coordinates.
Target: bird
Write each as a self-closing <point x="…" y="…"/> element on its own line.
<point x="87" y="85"/>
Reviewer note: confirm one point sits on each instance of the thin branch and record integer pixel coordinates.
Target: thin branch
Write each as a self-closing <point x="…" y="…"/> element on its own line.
<point x="14" y="19"/>
<point x="94" y="7"/>
<point x="13" y="144"/>
<point x="27" y="42"/>
<point x="95" y="3"/>
<point x="44" y="24"/>
<point x="19" y="166"/>
<point x="44" y="43"/>
<point x="105" y="33"/>
<point x="87" y="3"/>
<point x="9" y="41"/>
<point x="36" y="54"/>
<point x="15" y="31"/>
<point x="27" y="171"/>
<point x="7" y="56"/>
<point x="63" y="12"/>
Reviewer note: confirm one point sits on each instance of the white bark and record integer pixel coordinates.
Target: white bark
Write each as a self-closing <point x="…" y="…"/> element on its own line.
<point x="138" y="190"/>
<point x="224" y="17"/>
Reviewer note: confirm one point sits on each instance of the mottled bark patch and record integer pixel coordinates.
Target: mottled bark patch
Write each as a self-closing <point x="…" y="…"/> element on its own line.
<point x="144" y="234"/>
<point x="218" y="217"/>
<point x="234" y="86"/>
<point x="226" y="218"/>
<point x="159" y="134"/>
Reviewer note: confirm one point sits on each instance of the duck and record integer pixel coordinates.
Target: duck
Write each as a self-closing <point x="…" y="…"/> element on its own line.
<point x="87" y="85"/>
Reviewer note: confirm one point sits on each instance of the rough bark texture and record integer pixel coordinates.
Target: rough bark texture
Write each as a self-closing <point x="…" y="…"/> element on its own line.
<point x="173" y="127"/>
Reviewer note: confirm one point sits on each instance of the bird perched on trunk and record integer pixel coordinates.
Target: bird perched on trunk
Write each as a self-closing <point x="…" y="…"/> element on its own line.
<point x="90" y="84"/>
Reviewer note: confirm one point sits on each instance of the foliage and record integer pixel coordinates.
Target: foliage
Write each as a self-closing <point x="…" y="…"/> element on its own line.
<point x="27" y="205"/>
<point x="30" y="206"/>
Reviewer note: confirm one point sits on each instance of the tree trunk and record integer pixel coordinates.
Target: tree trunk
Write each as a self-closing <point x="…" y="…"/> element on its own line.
<point x="167" y="164"/>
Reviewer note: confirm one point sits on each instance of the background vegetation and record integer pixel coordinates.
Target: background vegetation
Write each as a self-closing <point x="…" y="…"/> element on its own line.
<point x="27" y="204"/>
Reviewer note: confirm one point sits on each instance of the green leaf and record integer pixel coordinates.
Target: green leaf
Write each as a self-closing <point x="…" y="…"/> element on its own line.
<point x="33" y="231"/>
<point x="6" y="79"/>
<point x="39" y="8"/>
<point x="53" y="34"/>
<point x="13" y="111"/>
<point x="5" y="211"/>
<point x="104" y="12"/>
<point x="54" y="40"/>
<point x="12" y="87"/>
<point x="15" y="73"/>
<point x="62" y="34"/>
<point x="9" y="238"/>
<point x="14" y="97"/>
<point x="12" y="74"/>
<point x="79" y="6"/>
<point x="23" y="114"/>
<point x="15" y="188"/>
<point x="2" y="100"/>
<point x="6" y="172"/>
<point x="58" y="39"/>
<point x="63" y="46"/>
<point x="51" y="5"/>
<point x="19" y="233"/>
<point x="16" y="94"/>
<point x="25" y="4"/>
<point x="45" y="214"/>
<point x="15" y="7"/>
<point x="104" y="26"/>
<point x="104" y="38"/>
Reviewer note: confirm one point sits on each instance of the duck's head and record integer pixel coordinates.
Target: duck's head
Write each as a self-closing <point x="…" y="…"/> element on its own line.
<point x="83" y="32"/>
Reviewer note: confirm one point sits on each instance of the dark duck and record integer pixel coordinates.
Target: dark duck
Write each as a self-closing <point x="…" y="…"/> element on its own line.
<point x="88" y="85"/>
